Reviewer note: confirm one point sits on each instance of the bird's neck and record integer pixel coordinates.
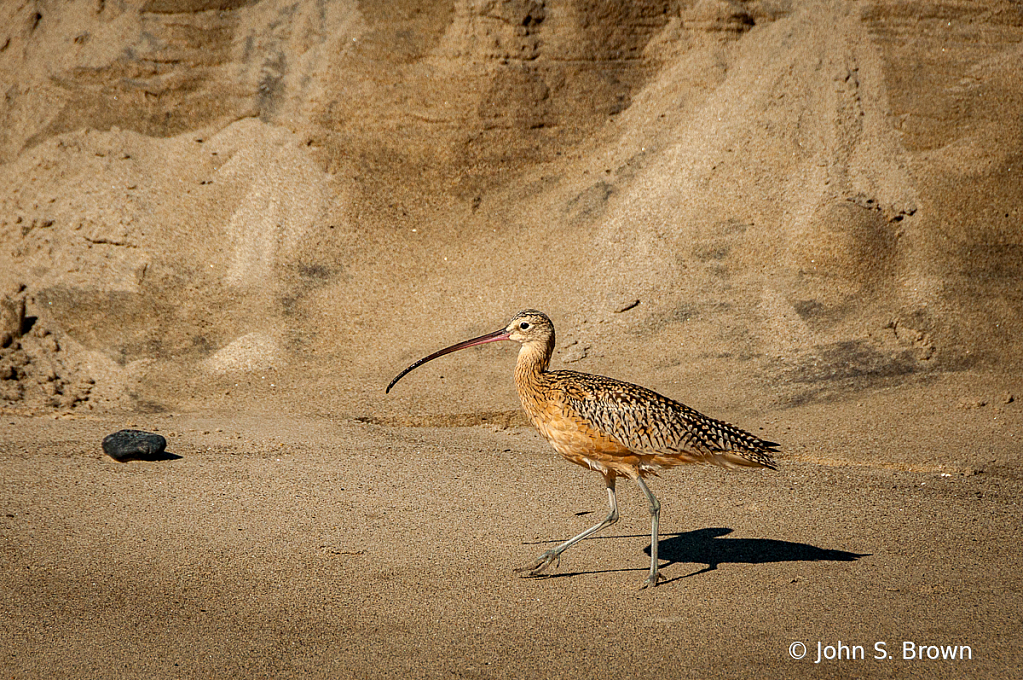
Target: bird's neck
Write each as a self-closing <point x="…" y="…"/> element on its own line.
<point x="532" y="364"/>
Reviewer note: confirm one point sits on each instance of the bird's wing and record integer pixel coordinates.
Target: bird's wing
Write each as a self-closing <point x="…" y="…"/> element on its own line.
<point x="649" y="423"/>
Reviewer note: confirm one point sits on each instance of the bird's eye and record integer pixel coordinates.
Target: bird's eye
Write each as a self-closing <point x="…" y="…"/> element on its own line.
<point x="524" y="325"/>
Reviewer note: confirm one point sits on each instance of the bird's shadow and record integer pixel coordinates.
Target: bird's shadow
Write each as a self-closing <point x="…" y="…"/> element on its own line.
<point x="706" y="546"/>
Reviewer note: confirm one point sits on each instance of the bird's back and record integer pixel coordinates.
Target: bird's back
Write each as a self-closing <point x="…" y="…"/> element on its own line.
<point x="634" y="430"/>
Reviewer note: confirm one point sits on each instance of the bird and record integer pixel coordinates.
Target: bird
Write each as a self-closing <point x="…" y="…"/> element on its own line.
<point x="611" y="426"/>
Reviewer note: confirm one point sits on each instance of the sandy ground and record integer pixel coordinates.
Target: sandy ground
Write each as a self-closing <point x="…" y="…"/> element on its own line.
<point x="233" y="223"/>
<point x="284" y="547"/>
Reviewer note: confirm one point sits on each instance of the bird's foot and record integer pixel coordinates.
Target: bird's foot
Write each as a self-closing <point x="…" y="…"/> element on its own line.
<point x="652" y="580"/>
<point x="541" y="563"/>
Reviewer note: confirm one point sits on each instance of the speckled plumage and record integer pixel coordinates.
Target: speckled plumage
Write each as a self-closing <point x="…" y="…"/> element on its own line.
<point x="609" y="424"/>
<point x="612" y="426"/>
<point x="651" y="424"/>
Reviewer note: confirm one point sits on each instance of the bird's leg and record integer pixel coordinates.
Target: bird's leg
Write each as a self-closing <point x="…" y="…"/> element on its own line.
<point x="554" y="554"/>
<point x="655" y="515"/>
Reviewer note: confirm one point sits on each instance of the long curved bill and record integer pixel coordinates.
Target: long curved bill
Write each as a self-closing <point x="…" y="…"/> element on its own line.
<point x="489" y="337"/>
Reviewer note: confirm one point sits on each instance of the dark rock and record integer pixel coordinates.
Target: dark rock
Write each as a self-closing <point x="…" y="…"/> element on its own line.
<point x="136" y="445"/>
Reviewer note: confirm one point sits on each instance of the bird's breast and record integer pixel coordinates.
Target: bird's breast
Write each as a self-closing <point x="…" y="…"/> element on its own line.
<point x="571" y="434"/>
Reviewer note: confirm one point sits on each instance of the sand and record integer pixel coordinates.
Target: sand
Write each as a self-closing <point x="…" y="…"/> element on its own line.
<point x="233" y="223"/>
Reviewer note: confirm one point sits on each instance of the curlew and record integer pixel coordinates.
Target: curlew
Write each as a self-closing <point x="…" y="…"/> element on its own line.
<point x="611" y="426"/>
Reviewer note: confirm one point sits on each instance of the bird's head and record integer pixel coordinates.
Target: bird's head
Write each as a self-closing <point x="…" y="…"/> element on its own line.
<point x="529" y="328"/>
